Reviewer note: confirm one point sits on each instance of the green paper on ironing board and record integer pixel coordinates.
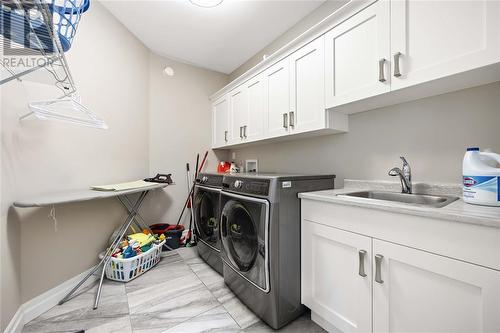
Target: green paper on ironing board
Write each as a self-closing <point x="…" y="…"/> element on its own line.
<point x="123" y="186"/>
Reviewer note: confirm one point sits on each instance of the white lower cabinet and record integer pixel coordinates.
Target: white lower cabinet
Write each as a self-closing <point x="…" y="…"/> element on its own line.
<point x="333" y="262"/>
<point x="404" y="290"/>
<point x="424" y="292"/>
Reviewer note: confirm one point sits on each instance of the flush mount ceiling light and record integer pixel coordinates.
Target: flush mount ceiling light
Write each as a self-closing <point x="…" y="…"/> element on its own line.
<point x="206" y="3"/>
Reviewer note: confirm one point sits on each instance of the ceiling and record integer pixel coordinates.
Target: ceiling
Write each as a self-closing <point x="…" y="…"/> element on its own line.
<point x="220" y="38"/>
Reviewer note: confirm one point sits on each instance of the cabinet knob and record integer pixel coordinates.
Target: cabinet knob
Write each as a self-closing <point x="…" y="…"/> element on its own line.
<point x="292" y="119"/>
<point x="225" y="136"/>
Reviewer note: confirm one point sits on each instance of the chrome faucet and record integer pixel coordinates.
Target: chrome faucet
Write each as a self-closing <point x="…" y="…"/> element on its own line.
<point x="404" y="176"/>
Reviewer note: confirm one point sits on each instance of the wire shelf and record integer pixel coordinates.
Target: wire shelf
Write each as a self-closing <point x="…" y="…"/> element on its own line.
<point x="34" y="36"/>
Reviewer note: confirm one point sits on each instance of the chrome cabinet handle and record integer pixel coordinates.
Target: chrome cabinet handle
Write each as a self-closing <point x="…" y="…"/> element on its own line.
<point x="397" y="72"/>
<point x="361" y="271"/>
<point x="225" y="136"/>
<point x="245" y="131"/>
<point x="241" y="132"/>
<point x="381" y="76"/>
<point x="285" y="120"/>
<point x="378" y="268"/>
<point x="292" y="119"/>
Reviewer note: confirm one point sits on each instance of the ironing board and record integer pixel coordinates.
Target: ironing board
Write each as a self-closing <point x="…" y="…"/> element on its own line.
<point x="124" y="197"/>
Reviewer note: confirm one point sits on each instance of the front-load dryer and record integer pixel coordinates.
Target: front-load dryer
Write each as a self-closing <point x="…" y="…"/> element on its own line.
<point x="260" y="233"/>
<point x="206" y="210"/>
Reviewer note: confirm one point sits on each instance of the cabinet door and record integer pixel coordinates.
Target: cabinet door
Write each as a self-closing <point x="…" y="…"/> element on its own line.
<point x="332" y="286"/>
<point x="357" y="56"/>
<point x="439" y="38"/>
<point x="424" y="292"/>
<point x="277" y="98"/>
<point x="307" y="87"/>
<point x="254" y="129"/>
<point x="238" y="101"/>
<point x="220" y="122"/>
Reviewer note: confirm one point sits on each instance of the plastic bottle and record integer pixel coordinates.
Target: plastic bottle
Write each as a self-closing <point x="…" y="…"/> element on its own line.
<point x="481" y="178"/>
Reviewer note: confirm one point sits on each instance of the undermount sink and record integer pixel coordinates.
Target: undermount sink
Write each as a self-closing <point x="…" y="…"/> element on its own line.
<point x="413" y="199"/>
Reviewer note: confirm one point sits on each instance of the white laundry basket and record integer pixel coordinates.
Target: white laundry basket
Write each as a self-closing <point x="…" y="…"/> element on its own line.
<point x="124" y="270"/>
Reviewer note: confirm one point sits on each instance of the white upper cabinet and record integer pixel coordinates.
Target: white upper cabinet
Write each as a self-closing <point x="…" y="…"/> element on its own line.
<point x="433" y="39"/>
<point x="359" y="59"/>
<point x="307" y="88"/>
<point x="337" y="276"/>
<point x="238" y="101"/>
<point x="220" y="122"/>
<point x="357" y="55"/>
<point x="254" y="127"/>
<point x="417" y="291"/>
<point x="277" y="98"/>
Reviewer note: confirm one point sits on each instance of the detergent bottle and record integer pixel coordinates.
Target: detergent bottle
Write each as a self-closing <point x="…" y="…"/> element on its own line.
<point x="481" y="177"/>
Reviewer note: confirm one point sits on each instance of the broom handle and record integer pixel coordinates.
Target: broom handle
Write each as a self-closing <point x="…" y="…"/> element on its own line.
<point x="192" y="191"/>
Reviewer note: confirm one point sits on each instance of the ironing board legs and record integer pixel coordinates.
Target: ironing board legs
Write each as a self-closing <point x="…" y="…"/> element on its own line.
<point x="125" y="201"/>
<point x="109" y="252"/>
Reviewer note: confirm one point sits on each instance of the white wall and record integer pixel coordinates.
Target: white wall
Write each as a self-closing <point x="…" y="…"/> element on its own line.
<point x="180" y="127"/>
<point x="432" y="133"/>
<point x="157" y="124"/>
<point x="111" y="70"/>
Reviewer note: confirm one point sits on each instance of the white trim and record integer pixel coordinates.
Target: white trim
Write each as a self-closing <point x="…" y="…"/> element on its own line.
<point x="44" y="302"/>
<point x="16" y="323"/>
<point x="328" y="23"/>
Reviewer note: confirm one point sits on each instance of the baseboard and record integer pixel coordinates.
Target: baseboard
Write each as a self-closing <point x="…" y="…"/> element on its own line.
<point x="324" y="323"/>
<point x="44" y="302"/>
<point x="16" y="324"/>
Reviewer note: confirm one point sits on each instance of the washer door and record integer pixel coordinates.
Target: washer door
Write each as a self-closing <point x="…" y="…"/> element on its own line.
<point x="206" y="216"/>
<point x="241" y="238"/>
<point x="244" y="225"/>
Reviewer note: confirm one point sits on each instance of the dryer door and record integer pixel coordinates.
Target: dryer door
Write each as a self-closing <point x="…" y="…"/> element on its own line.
<point x="206" y="215"/>
<point x="244" y="233"/>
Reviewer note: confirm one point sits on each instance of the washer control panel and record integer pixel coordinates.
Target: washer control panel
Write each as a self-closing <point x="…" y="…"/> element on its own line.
<point x="209" y="180"/>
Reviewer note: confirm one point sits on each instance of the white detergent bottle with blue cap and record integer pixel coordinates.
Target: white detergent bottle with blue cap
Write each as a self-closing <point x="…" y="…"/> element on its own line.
<point x="481" y="177"/>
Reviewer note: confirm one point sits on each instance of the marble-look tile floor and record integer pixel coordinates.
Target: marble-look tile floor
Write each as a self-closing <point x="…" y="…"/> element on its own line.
<point x="181" y="294"/>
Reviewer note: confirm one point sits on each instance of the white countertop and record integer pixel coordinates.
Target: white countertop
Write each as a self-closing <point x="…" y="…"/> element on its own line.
<point x="457" y="211"/>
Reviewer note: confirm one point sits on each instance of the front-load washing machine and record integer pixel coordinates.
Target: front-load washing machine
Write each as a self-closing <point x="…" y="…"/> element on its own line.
<point x="206" y="209"/>
<point x="260" y="233"/>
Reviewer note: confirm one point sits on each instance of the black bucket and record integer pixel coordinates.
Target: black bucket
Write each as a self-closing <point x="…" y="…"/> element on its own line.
<point x="172" y="234"/>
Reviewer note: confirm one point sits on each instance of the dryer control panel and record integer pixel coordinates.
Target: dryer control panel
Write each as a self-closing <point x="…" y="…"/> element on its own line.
<point x="248" y="186"/>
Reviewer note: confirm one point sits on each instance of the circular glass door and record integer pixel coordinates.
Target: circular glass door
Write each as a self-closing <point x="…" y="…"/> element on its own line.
<point x="205" y="216"/>
<point x="240" y="235"/>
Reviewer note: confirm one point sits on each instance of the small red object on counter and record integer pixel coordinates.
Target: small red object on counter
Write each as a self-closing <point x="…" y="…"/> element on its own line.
<point x="223" y="167"/>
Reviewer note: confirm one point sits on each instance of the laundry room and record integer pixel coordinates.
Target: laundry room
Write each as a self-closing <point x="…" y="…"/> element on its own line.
<point x="250" y="166"/>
